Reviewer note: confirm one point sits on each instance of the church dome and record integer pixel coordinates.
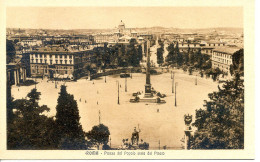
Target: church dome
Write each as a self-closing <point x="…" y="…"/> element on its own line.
<point x="122" y="23"/>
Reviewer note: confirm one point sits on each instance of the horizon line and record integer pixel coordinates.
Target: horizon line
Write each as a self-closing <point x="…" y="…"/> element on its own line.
<point x="114" y="28"/>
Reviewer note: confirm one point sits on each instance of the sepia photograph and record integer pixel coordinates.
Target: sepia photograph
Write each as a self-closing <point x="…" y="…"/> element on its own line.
<point x="125" y="79"/>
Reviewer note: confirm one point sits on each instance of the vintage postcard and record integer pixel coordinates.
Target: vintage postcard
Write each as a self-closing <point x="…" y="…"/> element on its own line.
<point x="127" y="80"/>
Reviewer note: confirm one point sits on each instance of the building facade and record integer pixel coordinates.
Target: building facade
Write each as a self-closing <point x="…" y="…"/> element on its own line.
<point x="59" y="63"/>
<point x="222" y="58"/>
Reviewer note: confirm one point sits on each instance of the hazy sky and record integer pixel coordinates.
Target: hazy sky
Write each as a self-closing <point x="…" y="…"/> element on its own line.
<point x="109" y="17"/>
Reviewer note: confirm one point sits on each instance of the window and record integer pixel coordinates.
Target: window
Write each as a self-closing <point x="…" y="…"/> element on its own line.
<point x="36" y="60"/>
<point x="56" y="56"/>
<point x="50" y="56"/>
<point x="41" y="60"/>
<point x="70" y="56"/>
<point x="51" y="62"/>
<point x="40" y="55"/>
<point x="65" y="61"/>
<point x="66" y="72"/>
<point x="60" y="56"/>
<point x="45" y="61"/>
<point x="36" y="55"/>
<point x="32" y="59"/>
<point x="70" y="61"/>
<point x="45" y="55"/>
<point x="60" y="61"/>
<point x="56" y="61"/>
<point x="65" y="56"/>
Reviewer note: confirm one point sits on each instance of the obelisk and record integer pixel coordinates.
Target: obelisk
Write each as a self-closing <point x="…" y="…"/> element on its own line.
<point x="148" y="80"/>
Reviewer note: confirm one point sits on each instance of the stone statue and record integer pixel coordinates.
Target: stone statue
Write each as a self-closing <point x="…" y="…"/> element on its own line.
<point x="135" y="136"/>
<point x="188" y="120"/>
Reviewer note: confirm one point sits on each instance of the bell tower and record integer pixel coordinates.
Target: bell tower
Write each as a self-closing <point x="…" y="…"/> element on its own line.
<point x="121" y="27"/>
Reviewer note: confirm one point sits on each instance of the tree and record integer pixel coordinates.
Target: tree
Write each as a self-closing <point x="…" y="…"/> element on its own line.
<point x="178" y="55"/>
<point x="160" y="51"/>
<point x="198" y="59"/>
<point x="29" y="128"/>
<point x="9" y="101"/>
<point x="133" y="57"/>
<point x="171" y="58"/>
<point x="140" y="52"/>
<point x="221" y="124"/>
<point x="238" y="62"/>
<point x="99" y="135"/>
<point x="10" y="51"/>
<point x="69" y="129"/>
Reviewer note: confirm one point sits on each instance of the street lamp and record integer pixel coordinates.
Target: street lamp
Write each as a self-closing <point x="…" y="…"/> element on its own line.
<point x="125" y="84"/>
<point x="55" y="79"/>
<point x="176" y="94"/>
<point x="118" y="92"/>
<point x="196" y="82"/>
<point x="172" y="83"/>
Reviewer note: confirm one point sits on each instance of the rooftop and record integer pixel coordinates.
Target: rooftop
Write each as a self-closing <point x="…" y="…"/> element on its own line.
<point x="227" y="50"/>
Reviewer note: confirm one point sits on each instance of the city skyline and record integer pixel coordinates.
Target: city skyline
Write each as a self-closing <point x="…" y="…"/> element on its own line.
<point x="134" y="17"/>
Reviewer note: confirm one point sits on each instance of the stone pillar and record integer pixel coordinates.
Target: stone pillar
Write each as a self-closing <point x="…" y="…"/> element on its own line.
<point x="24" y="74"/>
<point x="8" y="76"/>
<point x="143" y="49"/>
<point x="89" y="77"/>
<point x="18" y="76"/>
<point x="148" y="79"/>
<point x="15" y="81"/>
<point x="185" y="142"/>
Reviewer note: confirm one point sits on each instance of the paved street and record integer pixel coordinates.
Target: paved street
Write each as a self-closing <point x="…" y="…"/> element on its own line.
<point x="166" y="126"/>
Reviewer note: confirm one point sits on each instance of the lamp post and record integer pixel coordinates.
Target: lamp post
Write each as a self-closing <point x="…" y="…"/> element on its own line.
<point x="172" y="83"/>
<point x="125" y="84"/>
<point x="55" y="79"/>
<point x="196" y="81"/>
<point x="176" y="94"/>
<point x="171" y="74"/>
<point x="118" y="92"/>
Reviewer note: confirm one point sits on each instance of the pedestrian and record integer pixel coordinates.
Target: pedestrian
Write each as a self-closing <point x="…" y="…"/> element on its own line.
<point x="93" y="83"/>
<point x="97" y="102"/>
<point x="85" y="101"/>
<point x="158" y="110"/>
<point x="18" y="89"/>
<point x="97" y="92"/>
<point x="80" y="100"/>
